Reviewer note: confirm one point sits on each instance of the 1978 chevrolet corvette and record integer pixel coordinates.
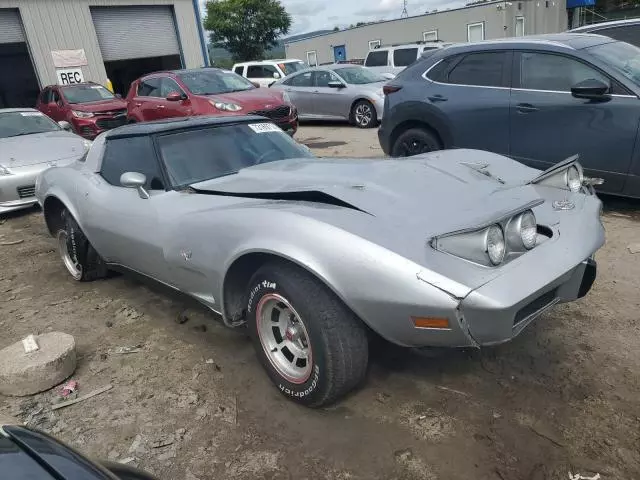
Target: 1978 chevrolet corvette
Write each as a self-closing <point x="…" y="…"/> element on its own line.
<point x="452" y="248"/>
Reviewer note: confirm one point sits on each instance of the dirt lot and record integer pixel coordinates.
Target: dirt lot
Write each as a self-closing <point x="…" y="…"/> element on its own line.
<point x="563" y="397"/>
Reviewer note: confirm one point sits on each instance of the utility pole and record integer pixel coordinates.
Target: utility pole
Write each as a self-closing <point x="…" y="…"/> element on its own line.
<point x="405" y="14"/>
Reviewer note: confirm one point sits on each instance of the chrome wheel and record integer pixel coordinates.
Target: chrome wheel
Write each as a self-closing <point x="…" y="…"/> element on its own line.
<point x="364" y="115"/>
<point x="66" y="247"/>
<point x="284" y="338"/>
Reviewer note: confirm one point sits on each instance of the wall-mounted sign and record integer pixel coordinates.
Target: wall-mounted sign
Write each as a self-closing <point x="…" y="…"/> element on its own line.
<point x="69" y="76"/>
<point x="69" y="58"/>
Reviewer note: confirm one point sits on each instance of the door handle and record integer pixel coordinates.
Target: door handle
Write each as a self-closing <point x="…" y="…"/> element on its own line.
<point x="526" y="108"/>
<point x="159" y="106"/>
<point x="138" y="104"/>
<point x="437" y="98"/>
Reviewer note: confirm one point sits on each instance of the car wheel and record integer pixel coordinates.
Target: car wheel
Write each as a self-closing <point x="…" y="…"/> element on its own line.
<point x="78" y="256"/>
<point x="312" y="346"/>
<point x="363" y="114"/>
<point x="415" y="141"/>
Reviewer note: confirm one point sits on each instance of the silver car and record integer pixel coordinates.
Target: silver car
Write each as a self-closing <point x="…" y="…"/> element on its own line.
<point x="31" y="142"/>
<point x="459" y="248"/>
<point x="337" y="92"/>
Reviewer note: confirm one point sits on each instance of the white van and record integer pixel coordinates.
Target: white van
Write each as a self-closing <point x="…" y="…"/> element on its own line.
<point x="395" y="58"/>
<point x="266" y="72"/>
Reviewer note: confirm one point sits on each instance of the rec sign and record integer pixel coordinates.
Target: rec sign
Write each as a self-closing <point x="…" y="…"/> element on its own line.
<point x="70" y="76"/>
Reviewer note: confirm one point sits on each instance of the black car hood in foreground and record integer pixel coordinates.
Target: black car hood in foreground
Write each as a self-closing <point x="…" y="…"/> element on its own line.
<point x="438" y="192"/>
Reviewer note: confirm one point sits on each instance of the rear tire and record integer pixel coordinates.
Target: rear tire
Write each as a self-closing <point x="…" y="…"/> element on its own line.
<point x="78" y="256"/>
<point x="363" y="114"/>
<point x="415" y="141"/>
<point x="312" y="346"/>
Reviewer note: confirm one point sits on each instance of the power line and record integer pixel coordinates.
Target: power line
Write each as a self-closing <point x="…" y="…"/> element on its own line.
<point x="405" y="14"/>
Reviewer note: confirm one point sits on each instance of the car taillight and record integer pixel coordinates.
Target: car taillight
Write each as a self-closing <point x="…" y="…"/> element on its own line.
<point x="387" y="89"/>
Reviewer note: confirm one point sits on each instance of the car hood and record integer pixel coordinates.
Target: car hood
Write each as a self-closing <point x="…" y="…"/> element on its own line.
<point x="254" y="99"/>
<point x="100" y="107"/>
<point x="40" y="148"/>
<point x="430" y="194"/>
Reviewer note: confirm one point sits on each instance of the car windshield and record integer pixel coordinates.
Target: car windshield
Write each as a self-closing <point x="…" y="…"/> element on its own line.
<point x="622" y="57"/>
<point x="359" y="75"/>
<point x="86" y="93"/>
<point x="290" y="67"/>
<point x="214" y="82"/>
<point x="15" y="124"/>
<point x="198" y="155"/>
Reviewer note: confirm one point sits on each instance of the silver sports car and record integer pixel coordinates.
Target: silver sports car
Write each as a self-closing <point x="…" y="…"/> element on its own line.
<point x="453" y="248"/>
<point x="30" y="142"/>
<point x="341" y="91"/>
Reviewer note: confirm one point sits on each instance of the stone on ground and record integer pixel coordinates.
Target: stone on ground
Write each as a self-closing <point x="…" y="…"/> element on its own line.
<point x="23" y="374"/>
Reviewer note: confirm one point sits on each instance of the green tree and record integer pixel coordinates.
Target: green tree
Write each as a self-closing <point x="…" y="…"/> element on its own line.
<point x="246" y="28"/>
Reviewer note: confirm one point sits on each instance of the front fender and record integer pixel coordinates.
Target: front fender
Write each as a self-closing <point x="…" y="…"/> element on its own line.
<point x="54" y="183"/>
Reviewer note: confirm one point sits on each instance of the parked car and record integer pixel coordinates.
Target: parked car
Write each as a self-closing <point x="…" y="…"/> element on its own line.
<point x="343" y="92"/>
<point x="456" y="248"/>
<point x="27" y="454"/>
<point x="395" y="58"/>
<point x="265" y="72"/>
<point x="621" y="30"/>
<point x="566" y="94"/>
<point x="206" y="91"/>
<point x="89" y="108"/>
<point x="30" y="142"/>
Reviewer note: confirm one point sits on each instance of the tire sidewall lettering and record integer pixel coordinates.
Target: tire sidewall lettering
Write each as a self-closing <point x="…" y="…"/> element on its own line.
<point x="263" y="285"/>
<point x="292" y="392"/>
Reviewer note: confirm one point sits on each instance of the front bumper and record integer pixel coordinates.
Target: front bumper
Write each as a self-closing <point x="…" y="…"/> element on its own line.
<point x="17" y="191"/>
<point x="90" y="128"/>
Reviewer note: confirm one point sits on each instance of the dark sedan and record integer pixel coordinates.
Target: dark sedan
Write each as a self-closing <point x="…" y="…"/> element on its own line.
<point x="536" y="99"/>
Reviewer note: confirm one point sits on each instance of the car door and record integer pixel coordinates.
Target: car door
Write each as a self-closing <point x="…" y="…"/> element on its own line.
<point x="171" y="109"/>
<point x="330" y="102"/>
<point x="549" y="124"/>
<point x="300" y="89"/>
<point x="470" y="92"/>
<point x="56" y="106"/>
<point x="378" y="61"/>
<point x="125" y="228"/>
<point x="262" y="74"/>
<point x="147" y="99"/>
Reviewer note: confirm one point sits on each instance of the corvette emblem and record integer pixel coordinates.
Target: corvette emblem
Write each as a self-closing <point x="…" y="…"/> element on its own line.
<point x="563" y="205"/>
<point x="186" y="254"/>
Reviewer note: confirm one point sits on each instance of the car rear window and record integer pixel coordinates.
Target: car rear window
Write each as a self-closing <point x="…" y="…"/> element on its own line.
<point x="479" y="69"/>
<point x="403" y="57"/>
<point x="377" y="58"/>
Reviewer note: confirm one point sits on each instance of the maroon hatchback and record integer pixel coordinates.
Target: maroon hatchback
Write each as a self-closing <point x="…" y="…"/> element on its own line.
<point x="89" y="107"/>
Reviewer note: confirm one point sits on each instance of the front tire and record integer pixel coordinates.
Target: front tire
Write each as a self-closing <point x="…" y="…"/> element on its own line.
<point x="312" y="346"/>
<point x="415" y="141"/>
<point x="363" y="114"/>
<point x="78" y="256"/>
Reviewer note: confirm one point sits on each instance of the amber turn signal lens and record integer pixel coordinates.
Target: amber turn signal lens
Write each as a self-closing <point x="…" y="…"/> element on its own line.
<point x="428" y="322"/>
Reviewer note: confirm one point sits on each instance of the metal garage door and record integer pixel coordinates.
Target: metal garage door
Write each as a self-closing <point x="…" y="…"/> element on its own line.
<point x="10" y="27"/>
<point x="135" y="32"/>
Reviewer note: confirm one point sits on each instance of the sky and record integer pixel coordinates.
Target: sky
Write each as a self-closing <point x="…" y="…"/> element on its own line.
<point x="310" y="15"/>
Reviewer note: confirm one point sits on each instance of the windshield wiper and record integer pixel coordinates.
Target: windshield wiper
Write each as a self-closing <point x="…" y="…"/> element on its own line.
<point x="21" y="134"/>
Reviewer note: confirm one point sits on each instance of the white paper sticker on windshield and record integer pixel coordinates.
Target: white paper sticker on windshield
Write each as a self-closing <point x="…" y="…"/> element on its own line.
<point x="264" y="127"/>
<point x="31" y="114"/>
<point x="96" y="87"/>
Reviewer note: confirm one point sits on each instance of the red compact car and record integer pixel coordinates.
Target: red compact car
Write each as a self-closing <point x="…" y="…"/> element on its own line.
<point x="206" y="91"/>
<point x="89" y="107"/>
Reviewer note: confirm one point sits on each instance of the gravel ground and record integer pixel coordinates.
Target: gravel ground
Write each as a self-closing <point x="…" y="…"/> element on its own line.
<point x="191" y="401"/>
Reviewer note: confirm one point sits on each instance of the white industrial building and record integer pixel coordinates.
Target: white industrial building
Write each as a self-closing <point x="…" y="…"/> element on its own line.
<point x="44" y="42"/>
<point x="488" y="20"/>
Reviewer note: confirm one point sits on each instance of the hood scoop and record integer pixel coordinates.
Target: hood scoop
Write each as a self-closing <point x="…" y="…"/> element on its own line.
<point x="312" y="196"/>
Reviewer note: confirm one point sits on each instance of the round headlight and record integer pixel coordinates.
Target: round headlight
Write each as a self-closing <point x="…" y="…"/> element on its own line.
<point x="574" y="179"/>
<point x="495" y="244"/>
<point x="528" y="229"/>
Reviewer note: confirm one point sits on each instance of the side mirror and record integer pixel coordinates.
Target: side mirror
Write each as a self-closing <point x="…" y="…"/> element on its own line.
<point x="118" y="95"/>
<point x="65" y="126"/>
<point x="276" y="75"/>
<point x="135" y="180"/>
<point x="336" y="85"/>
<point x="255" y="84"/>
<point x="590" y="89"/>
<point x="174" y="97"/>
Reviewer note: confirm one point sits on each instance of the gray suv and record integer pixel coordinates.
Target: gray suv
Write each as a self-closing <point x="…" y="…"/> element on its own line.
<point x="536" y="99"/>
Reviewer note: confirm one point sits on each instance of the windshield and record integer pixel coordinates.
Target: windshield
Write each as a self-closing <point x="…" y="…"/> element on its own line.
<point x="86" y="93"/>
<point x="620" y="56"/>
<point x="290" y="67"/>
<point x="359" y="75"/>
<point x="214" y="82"/>
<point x="199" y="155"/>
<point x="14" y="124"/>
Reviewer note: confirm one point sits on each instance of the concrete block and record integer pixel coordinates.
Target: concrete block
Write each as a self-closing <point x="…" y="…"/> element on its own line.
<point x="23" y="374"/>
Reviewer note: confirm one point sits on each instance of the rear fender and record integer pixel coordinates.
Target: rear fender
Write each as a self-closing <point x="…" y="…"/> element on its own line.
<point x="406" y="114"/>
